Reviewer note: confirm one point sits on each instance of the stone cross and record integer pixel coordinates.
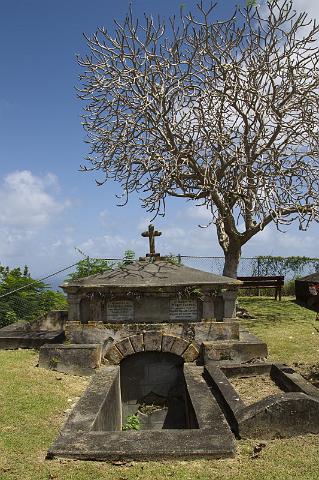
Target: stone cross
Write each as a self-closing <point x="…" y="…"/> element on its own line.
<point x="151" y="234"/>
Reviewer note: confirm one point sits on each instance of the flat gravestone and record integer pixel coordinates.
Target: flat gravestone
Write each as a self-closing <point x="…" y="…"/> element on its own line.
<point x="183" y="310"/>
<point x="120" y="311"/>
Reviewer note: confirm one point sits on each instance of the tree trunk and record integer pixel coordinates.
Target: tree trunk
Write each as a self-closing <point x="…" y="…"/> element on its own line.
<point x="232" y="257"/>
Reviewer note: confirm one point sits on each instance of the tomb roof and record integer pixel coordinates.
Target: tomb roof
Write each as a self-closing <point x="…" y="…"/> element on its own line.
<point x="148" y="273"/>
<point x="314" y="277"/>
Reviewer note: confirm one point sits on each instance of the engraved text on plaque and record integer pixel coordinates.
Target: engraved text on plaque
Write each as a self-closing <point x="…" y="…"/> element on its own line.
<point x="120" y="311"/>
<point x="183" y="310"/>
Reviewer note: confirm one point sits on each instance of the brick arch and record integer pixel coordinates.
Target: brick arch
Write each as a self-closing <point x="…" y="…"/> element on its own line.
<point x="152" y="342"/>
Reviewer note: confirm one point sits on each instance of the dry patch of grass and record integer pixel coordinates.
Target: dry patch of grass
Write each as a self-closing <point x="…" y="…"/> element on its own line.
<point x="254" y="388"/>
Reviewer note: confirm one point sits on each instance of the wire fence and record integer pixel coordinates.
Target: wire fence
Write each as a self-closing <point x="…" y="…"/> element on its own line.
<point x="256" y="266"/>
<point x="18" y="301"/>
<point x="248" y="266"/>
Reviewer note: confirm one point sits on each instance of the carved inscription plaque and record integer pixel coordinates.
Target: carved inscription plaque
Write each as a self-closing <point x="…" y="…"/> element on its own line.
<point x="120" y="311"/>
<point x="183" y="310"/>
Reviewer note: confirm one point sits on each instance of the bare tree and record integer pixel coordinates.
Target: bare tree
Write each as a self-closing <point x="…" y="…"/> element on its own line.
<point x="224" y="113"/>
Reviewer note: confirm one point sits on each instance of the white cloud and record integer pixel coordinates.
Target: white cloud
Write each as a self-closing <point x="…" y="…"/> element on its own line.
<point x="25" y="201"/>
<point x="292" y="242"/>
<point x="105" y="246"/>
<point x="29" y="215"/>
<point x="309" y="6"/>
<point x="143" y="224"/>
<point x="104" y="217"/>
<point x="199" y="213"/>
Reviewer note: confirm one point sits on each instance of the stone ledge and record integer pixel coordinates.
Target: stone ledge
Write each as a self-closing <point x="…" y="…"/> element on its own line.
<point x="11" y="340"/>
<point x="70" y="358"/>
<point x="235" y="351"/>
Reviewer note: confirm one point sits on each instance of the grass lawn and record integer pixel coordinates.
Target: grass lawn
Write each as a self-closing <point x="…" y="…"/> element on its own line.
<point x="33" y="402"/>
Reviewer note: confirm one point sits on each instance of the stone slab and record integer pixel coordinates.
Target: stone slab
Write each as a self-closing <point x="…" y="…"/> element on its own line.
<point x="78" y="440"/>
<point x="120" y="311"/>
<point x="150" y="275"/>
<point x="113" y="355"/>
<point x="152" y="341"/>
<point x="285" y="415"/>
<point x="11" y="340"/>
<point x="54" y="320"/>
<point x="282" y="415"/>
<point x="125" y="347"/>
<point x="291" y="381"/>
<point x="167" y="342"/>
<point x="72" y="359"/>
<point x="191" y="353"/>
<point x="97" y="332"/>
<point x="248" y="348"/>
<point x="137" y="342"/>
<point x="179" y="346"/>
<point x="147" y="445"/>
<point x="183" y="310"/>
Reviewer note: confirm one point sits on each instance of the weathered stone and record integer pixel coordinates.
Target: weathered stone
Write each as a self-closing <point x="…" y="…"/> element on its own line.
<point x="114" y="356"/>
<point x="120" y="311"/>
<point x="280" y="415"/>
<point x="54" y="320"/>
<point x="72" y="359"/>
<point x="212" y="331"/>
<point x="229" y="303"/>
<point x="191" y="353"/>
<point x="183" y="310"/>
<point x="152" y="341"/>
<point x="167" y="342"/>
<point x="137" y="342"/>
<point x="284" y="415"/>
<point x="179" y="346"/>
<point x="208" y="436"/>
<point x="217" y="351"/>
<point x="125" y="347"/>
<point x="11" y="340"/>
<point x="74" y="300"/>
<point x="244" y="350"/>
<point x="208" y="308"/>
<point x="150" y="292"/>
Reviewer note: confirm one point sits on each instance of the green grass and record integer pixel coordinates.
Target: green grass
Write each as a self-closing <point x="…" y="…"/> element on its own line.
<point x="32" y="402"/>
<point x="290" y="331"/>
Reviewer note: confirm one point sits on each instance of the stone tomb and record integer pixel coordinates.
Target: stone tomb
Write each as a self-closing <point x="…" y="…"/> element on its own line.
<point x="152" y="323"/>
<point x="93" y="429"/>
<point x="151" y="291"/>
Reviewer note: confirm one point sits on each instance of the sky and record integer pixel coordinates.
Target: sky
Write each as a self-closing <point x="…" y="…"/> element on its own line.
<point x="48" y="208"/>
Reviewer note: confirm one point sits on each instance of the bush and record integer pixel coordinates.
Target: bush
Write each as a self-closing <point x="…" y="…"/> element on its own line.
<point x="23" y="298"/>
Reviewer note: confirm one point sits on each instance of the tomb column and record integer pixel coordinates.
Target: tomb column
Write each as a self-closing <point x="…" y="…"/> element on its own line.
<point x="229" y="298"/>
<point x="208" y="308"/>
<point x="74" y="307"/>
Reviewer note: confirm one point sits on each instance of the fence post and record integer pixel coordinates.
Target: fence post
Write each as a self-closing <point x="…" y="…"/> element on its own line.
<point x="258" y="274"/>
<point x="179" y="257"/>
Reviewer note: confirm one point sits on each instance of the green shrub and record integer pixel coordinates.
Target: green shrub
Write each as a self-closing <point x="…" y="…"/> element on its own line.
<point x="23" y="298"/>
<point x="132" y="423"/>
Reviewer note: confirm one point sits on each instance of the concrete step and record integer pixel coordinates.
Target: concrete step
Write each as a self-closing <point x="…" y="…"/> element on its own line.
<point x="246" y="349"/>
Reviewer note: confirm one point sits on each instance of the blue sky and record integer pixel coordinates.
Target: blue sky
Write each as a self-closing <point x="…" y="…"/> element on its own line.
<point x="48" y="207"/>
